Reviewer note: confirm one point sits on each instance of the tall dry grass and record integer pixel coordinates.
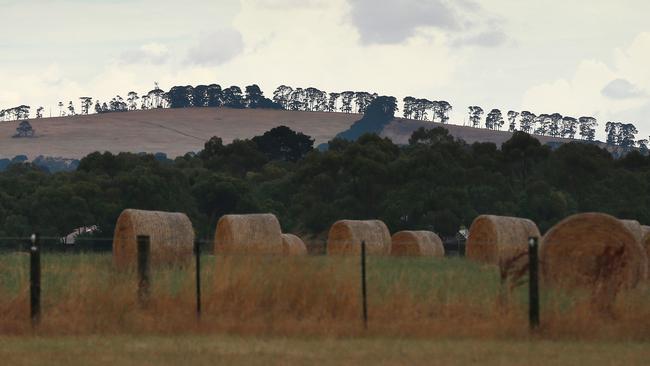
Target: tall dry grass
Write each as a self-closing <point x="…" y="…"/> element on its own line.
<point x="413" y="297"/>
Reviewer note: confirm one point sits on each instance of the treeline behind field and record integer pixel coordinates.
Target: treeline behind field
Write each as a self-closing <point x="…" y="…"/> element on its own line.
<point x="435" y="183"/>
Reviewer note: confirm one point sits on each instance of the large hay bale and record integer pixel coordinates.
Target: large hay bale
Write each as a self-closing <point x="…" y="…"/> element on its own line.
<point x="637" y="230"/>
<point x="590" y="250"/>
<point x="646" y="245"/>
<point x="345" y="237"/>
<point x="499" y="239"/>
<point x="293" y="245"/>
<point x="171" y="237"/>
<point x="417" y="244"/>
<point x="248" y="234"/>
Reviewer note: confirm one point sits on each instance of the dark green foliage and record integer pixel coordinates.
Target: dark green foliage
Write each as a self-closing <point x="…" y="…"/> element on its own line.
<point x="377" y="115"/>
<point x="282" y="143"/>
<point x="434" y="183"/>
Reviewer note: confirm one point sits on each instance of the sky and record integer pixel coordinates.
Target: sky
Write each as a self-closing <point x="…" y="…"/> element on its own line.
<point x="577" y="58"/>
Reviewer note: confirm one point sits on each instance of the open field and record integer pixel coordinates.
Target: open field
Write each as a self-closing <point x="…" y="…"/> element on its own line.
<point x="172" y="131"/>
<point x="178" y="131"/>
<point x="229" y="350"/>
<point x="308" y="296"/>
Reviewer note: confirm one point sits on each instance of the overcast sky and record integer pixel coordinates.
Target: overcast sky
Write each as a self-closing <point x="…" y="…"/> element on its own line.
<point x="578" y="57"/>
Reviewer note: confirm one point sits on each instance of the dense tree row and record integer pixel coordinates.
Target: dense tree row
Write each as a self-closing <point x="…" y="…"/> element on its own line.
<point x="315" y="100"/>
<point x="435" y="182"/>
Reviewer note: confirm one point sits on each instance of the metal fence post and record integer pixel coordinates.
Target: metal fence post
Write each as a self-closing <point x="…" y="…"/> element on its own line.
<point x="364" y="293"/>
<point x="35" y="280"/>
<point x="533" y="286"/>
<point x="197" y="254"/>
<point x="143" y="269"/>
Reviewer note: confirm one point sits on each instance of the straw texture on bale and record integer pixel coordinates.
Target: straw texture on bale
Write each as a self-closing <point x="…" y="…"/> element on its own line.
<point x="171" y="237"/>
<point x="498" y="239"/>
<point x="417" y="244"/>
<point x="637" y="230"/>
<point x="345" y="237"/>
<point x="646" y="245"/>
<point x="590" y="250"/>
<point x="293" y="245"/>
<point x="248" y="234"/>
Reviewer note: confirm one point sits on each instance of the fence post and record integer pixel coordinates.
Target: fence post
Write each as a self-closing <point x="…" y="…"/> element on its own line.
<point x="533" y="286"/>
<point x="35" y="280"/>
<point x="143" y="268"/>
<point x="364" y="294"/>
<point x="197" y="254"/>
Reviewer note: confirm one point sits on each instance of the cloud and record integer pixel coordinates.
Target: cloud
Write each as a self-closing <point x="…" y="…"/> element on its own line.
<point x="217" y="47"/>
<point x="621" y="89"/>
<point x="154" y="53"/>
<point x="393" y="22"/>
<point x="390" y="22"/>
<point x="489" y="38"/>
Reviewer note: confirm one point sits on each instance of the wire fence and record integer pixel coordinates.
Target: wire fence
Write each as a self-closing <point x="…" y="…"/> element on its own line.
<point x="56" y="256"/>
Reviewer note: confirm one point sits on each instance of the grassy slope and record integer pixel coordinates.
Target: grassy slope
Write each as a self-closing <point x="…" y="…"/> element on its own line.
<point x="172" y="131"/>
<point x="221" y="350"/>
<point x="177" y="131"/>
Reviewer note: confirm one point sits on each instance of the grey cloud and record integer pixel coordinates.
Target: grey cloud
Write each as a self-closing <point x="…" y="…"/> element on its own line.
<point x="490" y="38"/>
<point x="216" y="48"/>
<point x="396" y="21"/>
<point x="621" y="89"/>
<point x="391" y="22"/>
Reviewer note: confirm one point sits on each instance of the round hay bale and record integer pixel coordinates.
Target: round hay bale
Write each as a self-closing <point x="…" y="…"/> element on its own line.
<point x="171" y="237"/>
<point x="590" y="250"/>
<point x="248" y="234"/>
<point x="345" y="237"/>
<point x="293" y="245"/>
<point x="646" y="245"/>
<point x="417" y="244"/>
<point x="637" y="230"/>
<point x="499" y="239"/>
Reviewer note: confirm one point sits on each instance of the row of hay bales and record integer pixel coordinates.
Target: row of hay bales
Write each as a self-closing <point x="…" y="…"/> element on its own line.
<point x="172" y="237"/>
<point x="345" y="238"/>
<point x="581" y="250"/>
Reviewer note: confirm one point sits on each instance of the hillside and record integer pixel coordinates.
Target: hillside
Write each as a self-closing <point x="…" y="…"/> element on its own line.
<point x="172" y="131"/>
<point x="177" y="131"/>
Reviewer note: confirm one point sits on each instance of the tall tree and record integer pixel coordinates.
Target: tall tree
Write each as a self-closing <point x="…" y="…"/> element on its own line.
<point x="494" y="120"/>
<point x="612" y="132"/>
<point x="214" y="95"/>
<point x="86" y="102"/>
<point x="346" y="101"/>
<point x="409" y="107"/>
<point x="232" y="97"/>
<point x="475" y="115"/>
<point x="132" y="98"/>
<point x="555" y="128"/>
<point x="527" y="122"/>
<point x="71" y="108"/>
<point x="39" y="112"/>
<point x="282" y="96"/>
<point x="569" y="127"/>
<point x="442" y="109"/>
<point x="512" y="120"/>
<point x="332" y="103"/>
<point x="588" y="128"/>
<point x="627" y="135"/>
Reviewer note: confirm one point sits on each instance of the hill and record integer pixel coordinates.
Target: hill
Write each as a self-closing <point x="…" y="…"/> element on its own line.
<point x="172" y="131"/>
<point x="178" y="131"/>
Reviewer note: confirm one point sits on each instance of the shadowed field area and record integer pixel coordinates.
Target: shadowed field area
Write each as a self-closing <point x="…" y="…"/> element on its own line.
<point x="213" y="350"/>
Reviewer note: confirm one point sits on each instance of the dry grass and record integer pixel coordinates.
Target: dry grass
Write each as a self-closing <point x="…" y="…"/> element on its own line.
<point x="303" y="296"/>
<point x="172" y="131"/>
<point x="222" y="350"/>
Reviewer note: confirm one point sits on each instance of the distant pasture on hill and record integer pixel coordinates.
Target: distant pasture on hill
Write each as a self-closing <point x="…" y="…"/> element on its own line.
<point x="178" y="131"/>
<point x="171" y="131"/>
